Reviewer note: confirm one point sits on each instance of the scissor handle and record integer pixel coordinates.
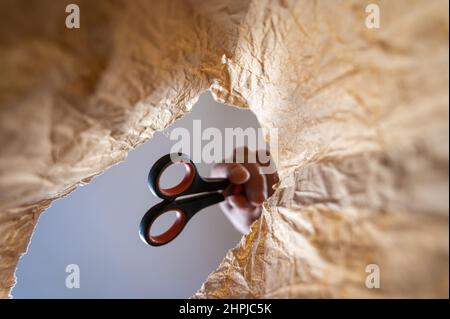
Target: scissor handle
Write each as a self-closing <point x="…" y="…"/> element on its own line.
<point x="192" y="182"/>
<point x="185" y="209"/>
<point x="203" y="191"/>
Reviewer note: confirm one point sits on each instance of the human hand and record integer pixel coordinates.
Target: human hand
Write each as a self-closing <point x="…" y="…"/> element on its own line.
<point x="243" y="209"/>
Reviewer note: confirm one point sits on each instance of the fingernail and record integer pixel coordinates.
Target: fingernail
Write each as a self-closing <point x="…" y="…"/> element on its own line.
<point x="239" y="174"/>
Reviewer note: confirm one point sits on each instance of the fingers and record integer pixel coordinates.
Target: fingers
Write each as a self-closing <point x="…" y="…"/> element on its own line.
<point x="240" y="202"/>
<point x="256" y="187"/>
<point x="271" y="180"/>
<point x="240" y="212"/>
<point x="236" y="173"/>
<point x="248" y="174"/>
<point x="239" y="174"/>
<point x="243" y="209"/>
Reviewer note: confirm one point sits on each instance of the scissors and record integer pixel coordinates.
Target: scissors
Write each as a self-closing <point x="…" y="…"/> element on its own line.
<point x="187" y="198"/>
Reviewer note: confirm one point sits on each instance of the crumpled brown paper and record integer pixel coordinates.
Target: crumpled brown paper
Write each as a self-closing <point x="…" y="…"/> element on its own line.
<point x="362" y="117"/>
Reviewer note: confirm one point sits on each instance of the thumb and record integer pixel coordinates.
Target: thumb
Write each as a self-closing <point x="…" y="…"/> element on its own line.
<point x="238" y="174"/>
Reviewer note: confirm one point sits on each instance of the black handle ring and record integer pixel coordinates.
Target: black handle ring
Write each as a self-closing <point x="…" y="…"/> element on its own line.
<point x="157" y="170"/>
<point x="171" y="233"/>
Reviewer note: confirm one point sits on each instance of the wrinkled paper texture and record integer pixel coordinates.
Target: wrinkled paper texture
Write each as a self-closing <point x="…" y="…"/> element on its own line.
<point x="362" y="119"/>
